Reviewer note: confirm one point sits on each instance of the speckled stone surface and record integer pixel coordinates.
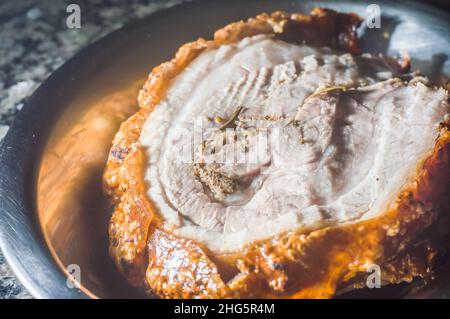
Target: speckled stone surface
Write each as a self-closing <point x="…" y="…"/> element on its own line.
<point x="35" y="41"/>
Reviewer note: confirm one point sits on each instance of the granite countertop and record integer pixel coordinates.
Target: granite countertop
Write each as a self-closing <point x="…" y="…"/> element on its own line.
<point x="35" y="41"/>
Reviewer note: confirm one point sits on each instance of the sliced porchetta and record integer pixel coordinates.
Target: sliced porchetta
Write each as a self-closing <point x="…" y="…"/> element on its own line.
<point x="260" y="167"/>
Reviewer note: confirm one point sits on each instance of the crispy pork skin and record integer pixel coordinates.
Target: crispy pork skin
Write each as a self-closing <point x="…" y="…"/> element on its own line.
<point x="269" y="162"/>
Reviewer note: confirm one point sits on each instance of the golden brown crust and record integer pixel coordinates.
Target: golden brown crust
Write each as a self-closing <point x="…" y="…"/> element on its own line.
<point x="178" y="268"/>
<point x="123" y="180"/>
<point x="308" y="265"/>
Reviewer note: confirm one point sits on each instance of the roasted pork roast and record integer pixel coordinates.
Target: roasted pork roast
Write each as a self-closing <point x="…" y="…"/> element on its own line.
<point x="277" y="160"/>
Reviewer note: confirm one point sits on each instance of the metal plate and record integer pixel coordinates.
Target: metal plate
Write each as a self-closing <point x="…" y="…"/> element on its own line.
<point x="52" y="210"/>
